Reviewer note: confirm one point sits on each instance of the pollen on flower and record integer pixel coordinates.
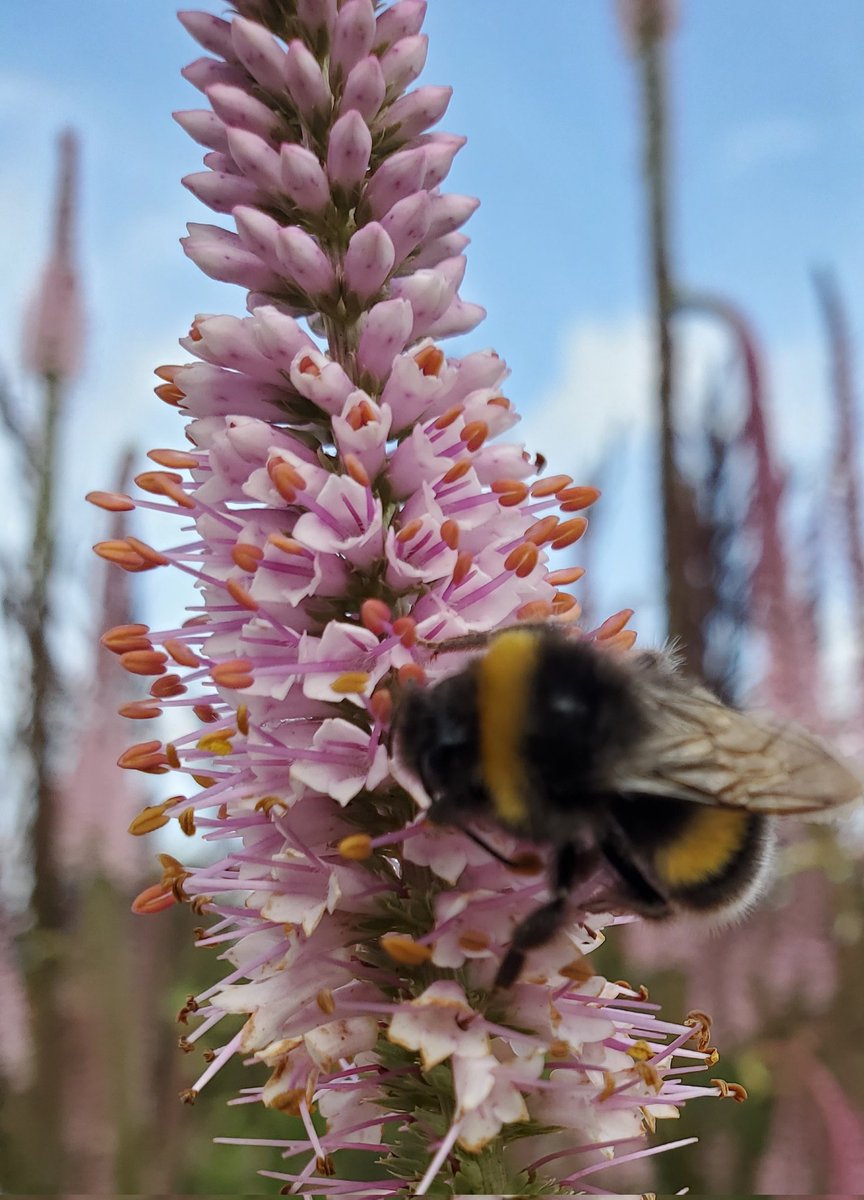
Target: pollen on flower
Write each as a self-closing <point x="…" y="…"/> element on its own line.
<point x="356" y="847"/>
<point x="402" y="948"/>
<point x="350" y="682"/>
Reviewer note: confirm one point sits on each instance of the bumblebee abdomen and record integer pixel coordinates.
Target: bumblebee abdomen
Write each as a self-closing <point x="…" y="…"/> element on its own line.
<point x="702" y="857"/>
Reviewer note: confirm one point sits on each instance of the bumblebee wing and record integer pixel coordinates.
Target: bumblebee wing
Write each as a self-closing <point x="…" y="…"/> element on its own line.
<point x="708" y="753"/>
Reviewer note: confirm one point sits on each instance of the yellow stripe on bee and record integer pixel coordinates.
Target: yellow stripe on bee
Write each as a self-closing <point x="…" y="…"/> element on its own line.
<point x="503" y="694"/>
<point x="704" y="848"/>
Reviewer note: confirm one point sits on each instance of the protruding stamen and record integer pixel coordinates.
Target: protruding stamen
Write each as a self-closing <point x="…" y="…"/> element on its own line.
<point x="569" y="532"/>
<point x="613" y="625"/>
<point x="448" y="417"/>
<point x="450" y="533"/>
<point x="405" y="628"/>
<point x="381" y="705"/>
<point x="430" y="360"/>
<point x="167" y="687"/>
<point x="241" y="595"/>
<point x="178" y="459"/>
<point x="474" y="435"/>
<point x="542" y="531"/>
<point x="144" y="756"/>
<point x="522" y="560"/>
<point x="403" y="949"/>
<point x="356" y="470"/>
<point x="121" y="639"/>
<point x="534" y="610"/>
<point x="411" y="673"/>
<point x="375" y="616"/>
<point x="357" y="847"/>
<point x="550" y="486"/>
<point x="236" y="673"/>
<point x="111" y="501"/>
<point x="562" y="578"/>
<point x="139" y="710"/>
<point x="246" y="556"/>
<point x="575" y="498"/>
<point x="181" y="653"/>
<point x="350" y="683"/>
<point x="153" y="899"/>
<point x="243" y="718"/>
<point x="464" y="563"/>
<point x="150" y="819"/>
<point x="460" y="468"/>
<point x="409" y="531"/>
<point x="144" y="662"/>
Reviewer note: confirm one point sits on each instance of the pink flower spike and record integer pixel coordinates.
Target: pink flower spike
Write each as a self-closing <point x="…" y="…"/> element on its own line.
<point x="450" y="212"/>
<point x="364" y="88"/>
<point x="353" y="35"/>
<point x="400" y="20"/>
<point x="348" y="150"/>
<point x="441" y="149"/>
<point x="304" y="179"/>
<point x="260" y="54"/>
<point x="384" y="334"/>
<point x="369" y="260"/>
<point x="205" y="73"/>
<point x="404" y="61"/>
<point x="305" y="82"/>
<point x="305" y="261"/>
<point x="317" y="14"/>
<point x="414" y="113"/>
<point x="429" y="294"/>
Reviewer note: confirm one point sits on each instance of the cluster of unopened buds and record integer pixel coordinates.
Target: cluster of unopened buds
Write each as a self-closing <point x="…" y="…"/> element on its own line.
<point x="349" y="509"/>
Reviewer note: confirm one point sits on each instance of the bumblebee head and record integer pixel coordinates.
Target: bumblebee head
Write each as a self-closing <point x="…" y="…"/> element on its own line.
<point x="436" y="740"/>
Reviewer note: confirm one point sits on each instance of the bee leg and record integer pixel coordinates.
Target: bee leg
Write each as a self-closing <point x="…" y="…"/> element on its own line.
<point x="540" y="926"/>
<point x="638" y="893"/>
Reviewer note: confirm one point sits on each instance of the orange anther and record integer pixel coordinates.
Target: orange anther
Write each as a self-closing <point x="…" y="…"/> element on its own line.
<point x="576" y="498"/>
<point x="168" y="686"/>
<point x="460" y="468"/>
<point x="407" y="532"/>
<point x="403" y="949"/>
<point x="181" y="653"/>
<point x="288" y="545"/>
<point x="411" y="673"/>
<point x="192" y="622"/>
<point x="205" y="781"/>
<point x="450" y="533"/>
<point x="186" y="821"/>
<point x="139" y="710"/>
<point x="147" y="553"/>
<point x="511" y="499"/>
<point x="360" y="414"/>
<point x="154" y="481"/>
<point x="111" y="501"/>
<point x="542" y="531"/>
<point x="356" y="470"/>
<point x="464" y="563"/>
<point x="613" y="625"/>
<point x="502" y="486"/>
<point x="562" y="603"/>
<point x="149" y="819"/>
<point x="175" y="492"/>
<point x="430" y="360"/>
<point x="324" y="1000"/>
<point x="375" y="615"/>
<point x="123" y="638"/>
<point x="474" y="435"/>
<point x="499" y="402"/>
<point x="143" y="756"/>
<point x="170" y="393"/>
<point x="448" y="417"/>
<point x="568" y="575"/>
<point x="144" y="662"/>
<point x="526" y="862"/>
<point x="167" y="371"/>
<point x="241" y="595"/>
<point x="550" y="485"/>
<point x="178" y="459"/>
<point x="356" y="847"/>
<point x="579" y="970"/>
<point x="172" y="755"/>
<point x="625" y="640"/>
<point x="282" y="475"/>
<point x="234" y="673"/>
<point x="153" y="899"/>
<point x="405" y="629"/>
<point x="243" y="718"/>
<point x="205" y="712"/>
<point x="119" y="552"/>
<point x="569" y="532"/>
<point x="308" y="366"/>
<point x="522" y="560"/>
<point x="381" y="705"/>
<point x="534" y="610"/>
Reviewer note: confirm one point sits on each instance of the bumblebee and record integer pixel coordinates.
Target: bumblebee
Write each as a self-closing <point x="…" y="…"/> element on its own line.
<point x="614" y="760"/>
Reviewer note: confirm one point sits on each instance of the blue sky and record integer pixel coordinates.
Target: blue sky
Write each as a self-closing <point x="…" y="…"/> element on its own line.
<point x="769" y="151"/>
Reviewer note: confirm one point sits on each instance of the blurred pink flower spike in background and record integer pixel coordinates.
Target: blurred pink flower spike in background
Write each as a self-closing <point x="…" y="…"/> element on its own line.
<point x="348" y="503"/>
